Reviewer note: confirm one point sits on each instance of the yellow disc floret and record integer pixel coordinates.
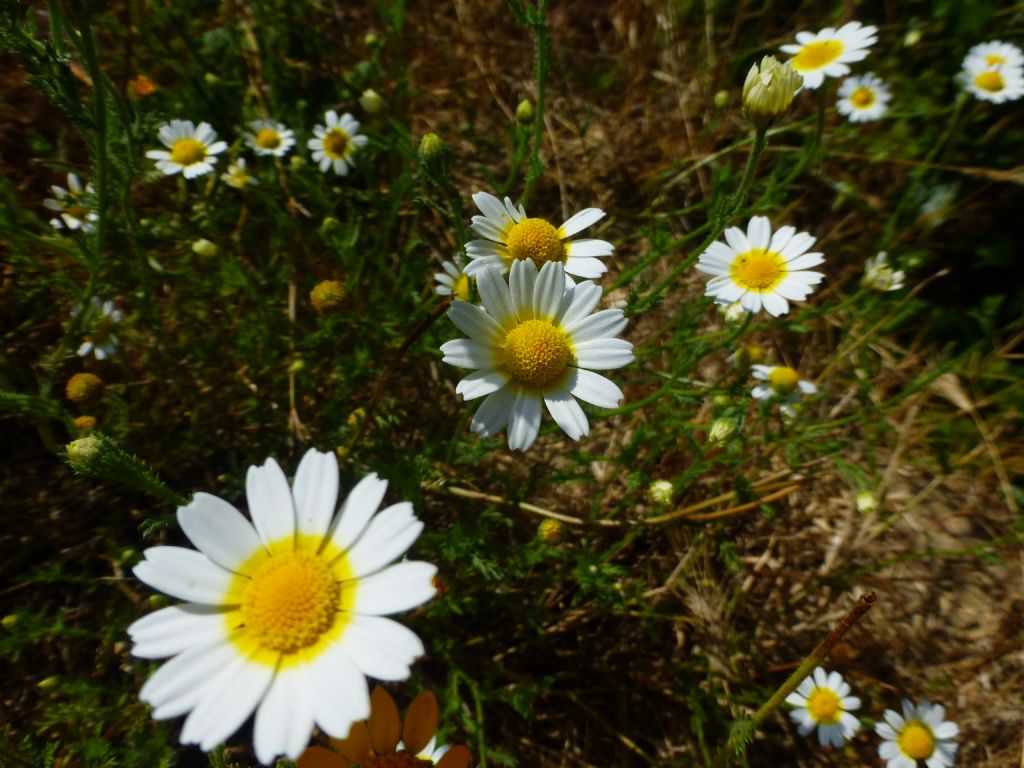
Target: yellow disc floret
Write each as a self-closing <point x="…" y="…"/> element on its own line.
<point x="991" y="81"/>
<point x="268" y="138"/>
<point x="862" y="98"/>
<point x="783" y="379"/>
<point x="291" y="600"/>
<point x="536" y="353"/>
<point x="336" y="144"/>
<point x="823" y="706"/>
<point x="916" y="740"/>
<point x="535" y="239"/>
<point x="188" y="152"/>
<point x="758" y="270"/>
<point x="817" y="55"/>
<point x="994" y="59"/>
<point x="460" y="290"/>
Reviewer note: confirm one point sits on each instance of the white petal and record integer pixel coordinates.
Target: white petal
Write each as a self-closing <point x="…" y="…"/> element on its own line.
<point x="781" y="237"/>
<point x="473" y="321"/>
<point x="567" y="413"/>
<point x="580" y="221"/>
<point x="494" y="412"/>
<point x="759" y="232"/>
<point x="604" y="354"/>
<point x="284" y="720"/>
<point x="230" y="698"/>
<point x="270" y="505"/>
<point x="946" y="730"/>
<point x="495" y="296"/>
<point x="524" y="421"/>
<point x="175" y="629"/>
<point x="466" y="353"/>
<point x="774" y="304"/>
<point x="594" y="388"/>
<point x="521" y="279"/>
<point x="585" y="297"/>
<point x="316" y="492"/>
<point x="602" y="325"/>
<point x="488" y="228"/>
<point x="219" y="531"/>
<point x="481" y="383"/>
<point x="338" y="694"/>
<point x="397" y="588"/>
<point x="589" y="247"/>
<point x="380" y="647"/>
<point x="185" y="574"/>
<point x="548" y="290"/>
<point x="806" y="261"/>
<point x="492" y="208"/>
<point x="185" y="672"/>
<point x="388" y="536"/>
<point x="588" y="267"/>
<point x="737" y="240"/>
<point x="356" y="511"/>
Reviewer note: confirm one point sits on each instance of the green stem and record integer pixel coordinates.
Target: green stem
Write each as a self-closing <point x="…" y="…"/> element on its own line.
<point x="100" y="108"/>
<point x="539" y="28"/>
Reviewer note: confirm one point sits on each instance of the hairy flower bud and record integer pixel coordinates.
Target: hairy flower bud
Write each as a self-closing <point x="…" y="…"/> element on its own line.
<point x="721" y="430"/>
<point x="660" y="492"/>
<point x="84" y="388"/>
<point x="327" y="295"/>
<point x="372" y="102"/>
<point x="206" y="249"/>
<point x="524" y="111"/>
<point x="551" y="531"/>
<point x="435" y="157"/>
<point x="769" y="90"/>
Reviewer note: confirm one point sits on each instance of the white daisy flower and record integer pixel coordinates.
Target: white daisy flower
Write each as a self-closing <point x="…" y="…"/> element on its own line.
<point x="879" y="276"/>
<point x="72" y="206"/>
<point x="920" y="734"/>
<point x="532" y="342"/>
<point x="512" y="236"/>
<point x="823" y="701"/>
<point x="268" y="137"/>
<point x="237" y="175"/>
<point x="433" y="752"/>
<point x="285" y="614"/>
<point x="101" y="341"/>
<point x="336" y="142"/>
<point x="783" y="383"/>
<point x="453" y="281"/>
<point x="863" y="98"/>
<point x="995" y="54"/>
<point x="996" y="83"/>
<point x="826" y="54"/>
<point x="759" y="269"/>
<point x="192" y="149"/>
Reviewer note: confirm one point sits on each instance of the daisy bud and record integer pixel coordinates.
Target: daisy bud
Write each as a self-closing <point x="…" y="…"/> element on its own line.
<point x="722" y="99"/>
<point x="721" y="430"/>
<point x="82" y="451"/>
<point x="48" y="683"/>
<point x="550" y="531"/>
<point x="867" y="503"/>
<point x="206" y="249"/>
<point x="156" y="601"/>
<point x="436" y="158"/>
<point x="769" y="90"/>
<point x="85" y="423"/>
<point x="749" y="355"/>
<point x="99" y="457"/>
<point x="297" y="366"/>
<point x="327" y="296"/>
<point x="660" y="492"/>
<point x="330" y="226"/>
<point x="9" y="620"/>
<point x="524" y="111"/>
<point x="356" y="418"/>
<point x="372" y="102"/>
<point x="296" y="161"/>
<point x="370" y="39"/>
<point x="84" y="388"/>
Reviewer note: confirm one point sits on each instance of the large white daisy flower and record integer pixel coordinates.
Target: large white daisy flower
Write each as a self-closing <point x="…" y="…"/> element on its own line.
<point x="920" y="733"/>
<point x="993" y="82"/>
<point x="268" y="137"/>
<point x="453" y="281"/>
<point x="823" y="701"/>
<point x="512" y="236"/>
<point x="863" y="98"/>
<point x="995" y="54"/>
<point x="826" y="54"/>
<point x="336" y="142"/>
<point x="759" y="269"/>
<point x="73" y="206"/>
<point x="192" y="148"/>
<point x="782" y="383"/>
<point x="532" y="342"/>
<point x="285" y="614"/>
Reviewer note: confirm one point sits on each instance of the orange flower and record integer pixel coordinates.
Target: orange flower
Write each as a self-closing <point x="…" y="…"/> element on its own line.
<point x="140" y="86"/>
<point x="374" y="743"/>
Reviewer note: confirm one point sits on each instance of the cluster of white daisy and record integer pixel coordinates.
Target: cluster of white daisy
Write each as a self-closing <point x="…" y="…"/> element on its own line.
<point x="994" y="71"/>
<point x="192" y="149"/>
<point x="823" y="701"/>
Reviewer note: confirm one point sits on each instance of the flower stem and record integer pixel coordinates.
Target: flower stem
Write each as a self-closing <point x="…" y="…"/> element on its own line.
<point x="537" y="21"/>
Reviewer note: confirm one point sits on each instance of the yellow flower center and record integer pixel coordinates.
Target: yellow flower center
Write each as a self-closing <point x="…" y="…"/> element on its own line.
<point x="188" y="152"/>
<point x="535" y="239"/>
<point x="268" y="138"/>
<point x="291" y="600"/>
<point x="916" y="740"/>
<point x="536" y="353"/>
<point x="990" y="81"/>
<point x="336" y="144"/>
<point x="823" y="706"/>
<point x="783" y="380"/>
<point x="862" y="98"/>
<point x="758" y="270"/>
<point x="994" y="58"/>
<point x="77" y="211"/>
<point x="460" y="290"/>
<point x="817" y="55"/>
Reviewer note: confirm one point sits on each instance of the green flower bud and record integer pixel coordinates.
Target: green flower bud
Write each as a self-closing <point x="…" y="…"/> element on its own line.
<point x="48" y="683"/>
<point x="372" y="102"/>
<point x="297" y="366"/>
<point x="370" y="39"/>
<point x="9" y="621"/>
<point x="660" y="492"/>
<point x="867" y="503"/>
<point x="435" y="156"/>
<point x="722" y="99"/>
<point x="206" y="249"/>
<point x="82" y="452"/>
<point x="524" y="111"/>
<point x="327" y="296"/>
<point x="769" y="90"/>
<point x="721" y="430"/>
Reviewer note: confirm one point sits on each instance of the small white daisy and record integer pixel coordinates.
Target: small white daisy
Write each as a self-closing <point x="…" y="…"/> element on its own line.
<point x="995" y="54"/>
<point x="826" y="54"/>
<point x="336" y="142"/>
<point x="823" y="701"/>
<point x="192" y="149"/>
<point x="268" y="137"/>
<point x="532" y="342"/>
<point x="286" y="613"/>
<point x="72" y="206"/>
<point x="453" y="281"/>
<point x="863" y="98"/>
<point x="512" y="236"/>
<point x="995" y="83"/>
<point x="759" y="269"/>
<point x="783" y="383"/>
<point x="100" y="340"/>
<point x="237" y="175"/>
<point x="433" y="752"/>
<point x="879" y="276"/>
<point x="920" y="734"/>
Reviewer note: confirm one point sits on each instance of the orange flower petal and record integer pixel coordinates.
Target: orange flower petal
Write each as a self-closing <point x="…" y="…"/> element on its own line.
<point x="318" y="757"/>
<point x="420" y="722"/>
<point x="383" y="722"/>
<point x="456" y="757"/>
<point x="357" y="746"/>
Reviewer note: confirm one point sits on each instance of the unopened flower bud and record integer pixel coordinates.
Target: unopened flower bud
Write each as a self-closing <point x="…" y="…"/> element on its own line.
<point x="47" y="683"/>
<point x="524" y="111"/>
<point x="769" y="90"/>
<point x="660" y="492"/>
<point x="85" y="423"/>
<point x="370" y="39"/>
<point x="83" y="451"/>
<point x="84" y="388"/>
<point x="156" y="601"/>
<point x="356" y="418"/>
<point x="867" y="503"/>
<point x="327" y="296"/>
<point x="435" y="156"/>
<point x="330" y="226"/>
<point x="722" y="99"/>
<point x="550" y="531"/>
<point x="296" y="161"/>
<point x="721" y="430"/>
<point x="9" y="621"/>
<point x="748" y="355"/>
<point x="297" y="366"/>
<point x="206" y="249"/>
<point x="372" y="102"/>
